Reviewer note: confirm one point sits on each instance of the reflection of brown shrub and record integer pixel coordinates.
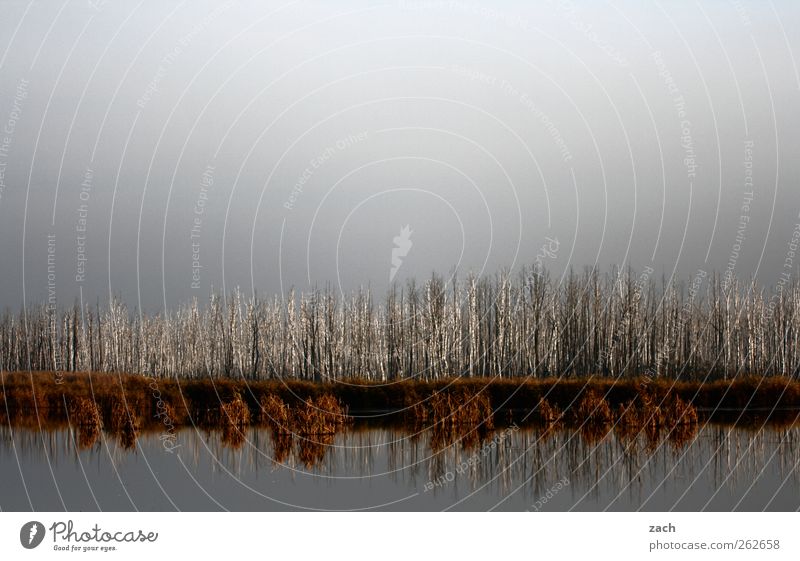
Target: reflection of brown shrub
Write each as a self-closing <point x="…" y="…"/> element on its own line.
<point x="629" y="422"/>
<point x="593" y="433"/>
<point x="444" y="436"/>
<point x="127" y="437"/>
<point x="233" y="437"/>
<point x="122" y="421"/>
<point x="315" y="421"/>
<point x="282" y="447"/>
<point x="312" y="452"/>
<point x="646" y="415"/>
<point x="87" y="436"/>
<point x="682" y="434"/>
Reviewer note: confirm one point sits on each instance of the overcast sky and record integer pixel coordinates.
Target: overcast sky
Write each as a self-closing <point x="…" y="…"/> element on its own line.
<point x="157" y="149"/>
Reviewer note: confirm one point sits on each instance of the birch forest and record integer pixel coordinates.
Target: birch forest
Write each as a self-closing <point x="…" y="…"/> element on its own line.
<point x="613" y="324"/>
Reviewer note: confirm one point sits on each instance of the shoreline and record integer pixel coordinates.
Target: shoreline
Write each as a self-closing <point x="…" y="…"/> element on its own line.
<point x="363" y="398"/>
<point x="456" y="410"/>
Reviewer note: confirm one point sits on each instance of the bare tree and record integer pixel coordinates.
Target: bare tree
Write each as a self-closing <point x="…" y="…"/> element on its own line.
<point x="612" y="325"/>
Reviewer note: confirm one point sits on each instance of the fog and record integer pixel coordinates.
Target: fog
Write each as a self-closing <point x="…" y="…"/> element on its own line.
<point x="158" y="151"/>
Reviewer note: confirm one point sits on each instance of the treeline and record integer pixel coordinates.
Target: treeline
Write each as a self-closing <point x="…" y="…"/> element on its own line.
<point x="614" y="324"/>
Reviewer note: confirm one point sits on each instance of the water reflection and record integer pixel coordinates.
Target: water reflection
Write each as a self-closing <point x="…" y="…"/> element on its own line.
<point x="718" y="468"/>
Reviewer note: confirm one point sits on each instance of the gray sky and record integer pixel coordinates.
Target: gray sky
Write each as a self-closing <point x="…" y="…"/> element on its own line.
<point x="278" y="144"/>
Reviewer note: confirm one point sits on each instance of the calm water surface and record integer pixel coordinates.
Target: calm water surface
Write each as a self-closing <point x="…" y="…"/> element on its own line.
<point x="719" y="468"/>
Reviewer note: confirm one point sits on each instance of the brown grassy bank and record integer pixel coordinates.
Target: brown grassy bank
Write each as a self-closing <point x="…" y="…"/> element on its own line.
<point x="304" y="417"/>
<point x="126" y="401"/>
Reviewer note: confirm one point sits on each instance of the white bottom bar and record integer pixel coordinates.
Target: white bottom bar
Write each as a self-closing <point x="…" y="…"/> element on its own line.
<point x="401" y="536"/>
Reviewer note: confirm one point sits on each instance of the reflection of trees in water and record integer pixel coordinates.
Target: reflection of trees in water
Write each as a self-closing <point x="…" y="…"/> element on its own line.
<point x="532" y="459"/>
<point x="603" y="463"/>
<point x="58" y="443"/>
<point x="743" y="452"/>
<point x="256" y="448"/>
<point x="37" y="445"/>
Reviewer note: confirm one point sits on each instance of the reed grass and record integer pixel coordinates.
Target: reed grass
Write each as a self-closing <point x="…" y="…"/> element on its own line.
<point x="276" y="414"/>
<point x="546" y="413"/>
<point x="85" y="416"/>
<point x="235" y="418"/>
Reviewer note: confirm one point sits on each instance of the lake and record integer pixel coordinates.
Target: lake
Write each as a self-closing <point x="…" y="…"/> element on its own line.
<point x="718" y="468"/>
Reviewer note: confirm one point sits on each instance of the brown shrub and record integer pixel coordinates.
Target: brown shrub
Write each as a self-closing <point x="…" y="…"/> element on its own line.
<point x="83" y="412"/>
<point x="235" y="417"/>
<point x="122" y="421"/>
<point x="235" y="414"/>
<point x="592" y="409"/>
<point x="678" y="412"/>
<point x="275" y="414"/>
<point x="453" y="408"/>
<point x="85" y="415"/>
<point x="322" y="415"/>
<point x="546" y="413"/>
